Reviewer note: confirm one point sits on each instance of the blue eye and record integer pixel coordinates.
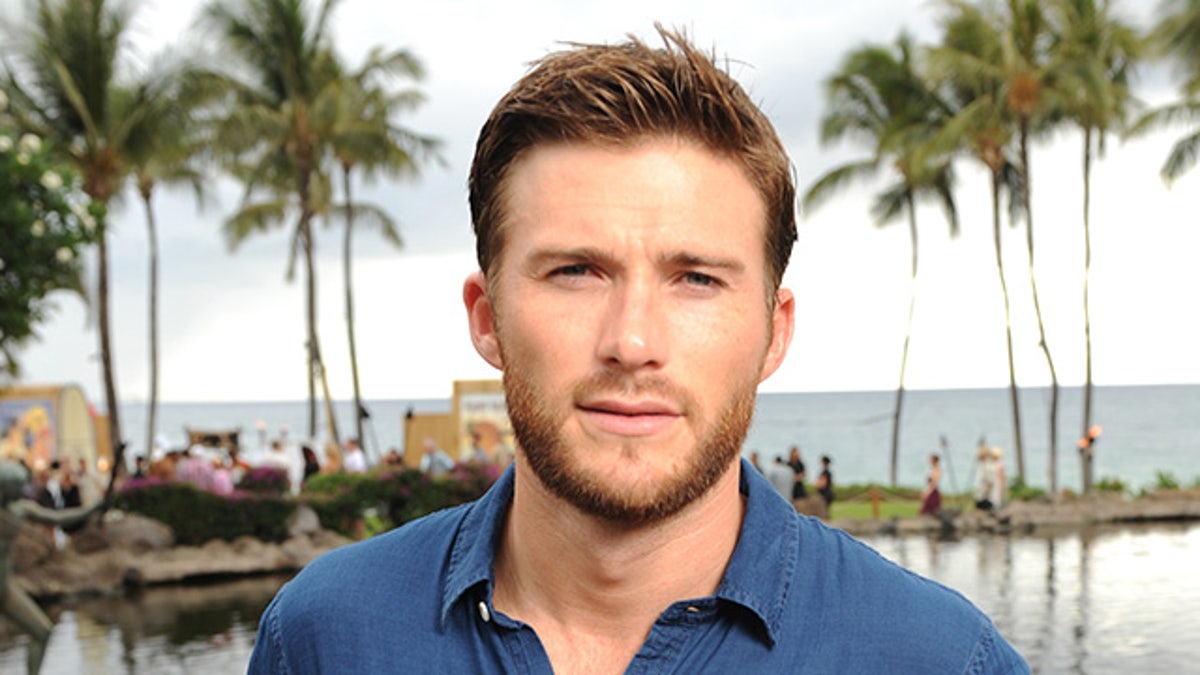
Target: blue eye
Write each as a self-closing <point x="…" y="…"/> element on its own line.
<point x="577" y="270"/>
<point x="699" y="279"/>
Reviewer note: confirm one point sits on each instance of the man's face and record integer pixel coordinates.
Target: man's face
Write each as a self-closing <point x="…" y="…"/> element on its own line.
<point x="630" y="315"/>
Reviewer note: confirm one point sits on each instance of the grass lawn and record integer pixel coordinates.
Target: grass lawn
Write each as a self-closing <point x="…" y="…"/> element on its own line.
<point x="860" y="510"/>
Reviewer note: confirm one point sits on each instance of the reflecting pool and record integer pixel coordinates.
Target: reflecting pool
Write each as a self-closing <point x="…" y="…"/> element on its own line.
<point x="1104" y="600"/>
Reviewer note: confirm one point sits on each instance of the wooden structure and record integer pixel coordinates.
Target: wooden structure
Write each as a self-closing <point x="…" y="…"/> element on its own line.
<point x="478" y="417"/>
<point x="40" y="424"/>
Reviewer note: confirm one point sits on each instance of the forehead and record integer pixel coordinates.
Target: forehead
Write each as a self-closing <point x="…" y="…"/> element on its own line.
<point x="656" y="189"/>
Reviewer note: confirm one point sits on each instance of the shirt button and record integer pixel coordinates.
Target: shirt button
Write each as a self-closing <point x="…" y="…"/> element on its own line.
<point x="483" y="612"/>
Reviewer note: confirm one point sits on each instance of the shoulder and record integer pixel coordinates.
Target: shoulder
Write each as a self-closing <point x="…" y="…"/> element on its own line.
<point x="373" y="579"/>
<point x="334" y="612"/>
<point x="869" y="611"/>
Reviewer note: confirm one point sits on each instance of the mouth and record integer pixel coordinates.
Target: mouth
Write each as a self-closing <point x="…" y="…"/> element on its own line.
<point x="629" y="418"/>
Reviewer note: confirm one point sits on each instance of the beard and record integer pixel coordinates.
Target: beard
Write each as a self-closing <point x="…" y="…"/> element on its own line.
<point x="538" y="427"/>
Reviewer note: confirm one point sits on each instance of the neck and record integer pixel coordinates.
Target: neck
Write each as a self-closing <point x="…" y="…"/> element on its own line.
<point x="567" y="572"/>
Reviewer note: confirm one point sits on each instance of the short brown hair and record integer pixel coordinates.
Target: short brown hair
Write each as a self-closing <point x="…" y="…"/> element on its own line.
<point x="614" y="95"/>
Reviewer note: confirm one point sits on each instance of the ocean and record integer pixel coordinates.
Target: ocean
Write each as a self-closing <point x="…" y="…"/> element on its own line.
<point x="1147" y="430"/>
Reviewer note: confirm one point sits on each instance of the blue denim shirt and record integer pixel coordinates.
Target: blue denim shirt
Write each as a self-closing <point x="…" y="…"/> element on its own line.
<point x="797" y="596"/>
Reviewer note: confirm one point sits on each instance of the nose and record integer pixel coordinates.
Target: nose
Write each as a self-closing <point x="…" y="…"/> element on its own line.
<point x="633" y="336"/>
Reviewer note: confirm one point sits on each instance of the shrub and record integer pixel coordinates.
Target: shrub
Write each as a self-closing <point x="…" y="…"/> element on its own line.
<point x="339" y="499"/>
<point x="196" y="516"/>
<point x="1111" y="484"/>
<point x="398" y="494"/>
<point x="265" y="480"/>
<point x="1019" y="491"/>
<point x="1165" y="480"/>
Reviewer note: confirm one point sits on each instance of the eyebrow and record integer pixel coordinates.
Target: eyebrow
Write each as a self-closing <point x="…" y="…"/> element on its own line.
<point x="683" y="259"/>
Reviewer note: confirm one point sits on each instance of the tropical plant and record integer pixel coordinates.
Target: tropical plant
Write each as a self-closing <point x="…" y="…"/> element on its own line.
<point x="46" y="222"/>
<point x="1176" y="36"/>
<point x="165" y="153"/>
<point x="1031" y="88"/>
<point x="61" y="79"/>
<point x="878" y="96"/>
<point x="279" y="63"/>
<point x="365" y="138"/>
<point x="981" y="127"/>
<point x="1098" y="53"/>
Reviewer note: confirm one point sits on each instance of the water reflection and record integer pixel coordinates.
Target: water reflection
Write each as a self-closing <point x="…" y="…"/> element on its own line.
<point x="1098" y="600"/>
<point x="205" y="628"/>
<point x="1105" y="600"/>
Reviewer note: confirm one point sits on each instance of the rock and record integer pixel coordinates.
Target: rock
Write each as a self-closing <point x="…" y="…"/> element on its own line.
<point x="303" y="522"/>
<point x="134" y="551"/>
<point x="129" y="531"/>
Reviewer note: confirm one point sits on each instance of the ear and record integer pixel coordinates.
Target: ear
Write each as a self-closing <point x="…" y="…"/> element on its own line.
<point x="783" y="323"/>
<point x="480" y="319"/>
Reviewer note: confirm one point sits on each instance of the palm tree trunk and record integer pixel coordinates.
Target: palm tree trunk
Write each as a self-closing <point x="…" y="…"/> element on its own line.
<point x="1085" y="453"/>
<point x="330" y="418"/>
<point x="312" y="348"/>
<point x="912" y="303"/>
<point x="1037" y="308"/>
<point x="152" y="404"/>
<point x="316" y="365"/>
<point x="1014" y="398"/>
<point x="310" y="310"/>
<point x="106" y="357"/>
<point x="346" y="262"/>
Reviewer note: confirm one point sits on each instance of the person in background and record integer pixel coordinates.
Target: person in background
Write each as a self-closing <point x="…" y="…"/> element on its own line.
<point x="91" y="487"/>
<point x="799" y="475"/>
<point x="355" y="460"/>
<point x="333" y="458"/>
<point x="434" y="460"/>
<point x="985" y="478"/>
<point x="825" y="481"/>
<point x="931" y="496"/>
<point x="782" y="477"/>
<point x="139" y="466"/>
<point x="221" y="480"/>
<point x="394" y="458"/>
<point x="312" y="465"/>
<point x="634" y="215"/>
<point x="49" y="492"/>
<point x="754" y="460"/>
<point x="999" y="494"/>
<point x="238" y="466"/>
<point x="196" y="468"/>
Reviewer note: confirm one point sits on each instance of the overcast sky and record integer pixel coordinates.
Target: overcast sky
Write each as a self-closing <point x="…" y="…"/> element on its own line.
<point x="233" y="329"/>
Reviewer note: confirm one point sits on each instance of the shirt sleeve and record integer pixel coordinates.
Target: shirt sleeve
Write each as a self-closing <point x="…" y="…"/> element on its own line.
<point x="994" y="656"/>
<point x="268" y="657"/>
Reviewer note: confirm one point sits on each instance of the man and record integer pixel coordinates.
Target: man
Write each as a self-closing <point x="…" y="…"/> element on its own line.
<point x="634" y="214"/>
<point x="354" y="460"/>
<point x="434" y="460"/>
<point x="782" y="477"/>
<point x="799" y="474"/>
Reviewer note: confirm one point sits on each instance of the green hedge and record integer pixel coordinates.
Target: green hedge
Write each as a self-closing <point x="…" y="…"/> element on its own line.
<point x="340" y="500"/>
<point x="396" y="494"/>
<point x="196" y="516"/>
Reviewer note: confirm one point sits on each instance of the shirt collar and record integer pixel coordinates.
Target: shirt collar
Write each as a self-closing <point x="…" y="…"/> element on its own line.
<point x="757" y="578"/>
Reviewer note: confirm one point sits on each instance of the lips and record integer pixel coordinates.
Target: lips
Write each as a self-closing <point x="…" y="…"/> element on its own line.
<point x="629" y="418"/>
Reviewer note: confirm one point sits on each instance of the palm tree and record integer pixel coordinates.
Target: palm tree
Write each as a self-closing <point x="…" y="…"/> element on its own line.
<point x="364" y="137"/>
<point x="62" y="85"/>
<point x="280" y="63"/>
<point x="1099" y="53"/>
<point x="1030" y="86"/>
<point x="164" y="150"/>
<point x="981" y="126"/>
<point x="878" y="96"/>
<point x="1177" y="36"/>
